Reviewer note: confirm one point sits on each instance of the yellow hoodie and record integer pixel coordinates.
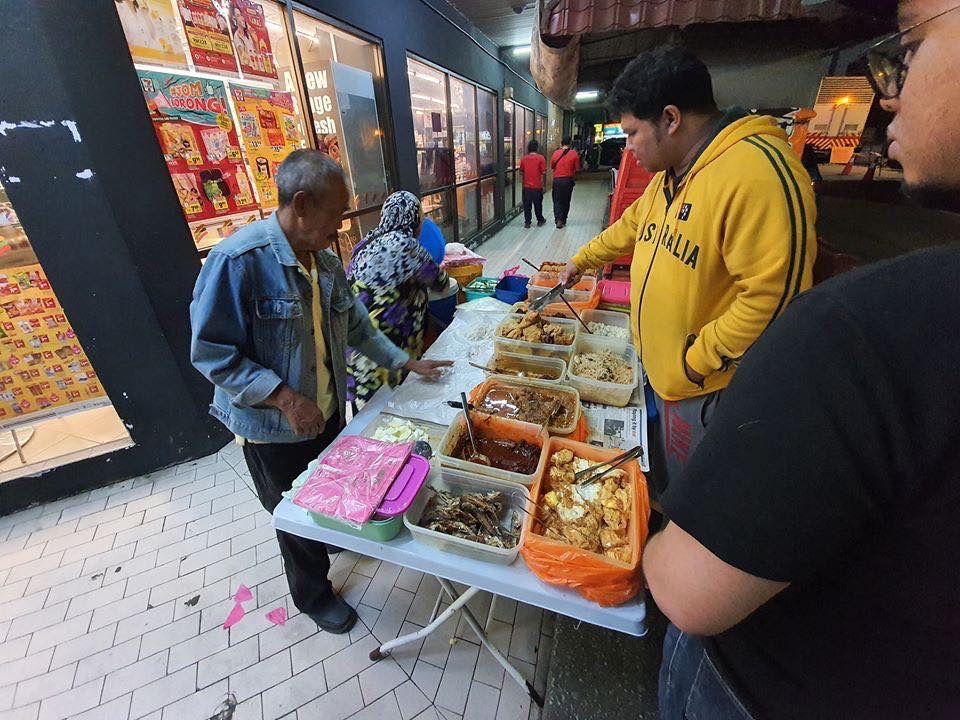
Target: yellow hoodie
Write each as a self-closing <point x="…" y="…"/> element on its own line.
<point x="718" y="257"/>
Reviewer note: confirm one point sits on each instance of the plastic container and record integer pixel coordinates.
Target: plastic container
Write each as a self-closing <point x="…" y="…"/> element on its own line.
<point x="480" y="288"/>
<point x="459" y="483"/>
<point x="465" y="274"/>
<point x="607" y="317"/>
<point x="376" y="530"/>
<point x="486" y="425"/>
<point x="542" y="283"/>
<point x="568" y="395"/>
<point x="404" y="488"/>
<point x="607" y="393"/>
<point x="512" y="289"/>
<point x="443" y="304"/>
<point x="597" y="577"/>
<point x="615" y="292"/>
<point x="503" y="344"/>
<point x="556" y="368"/>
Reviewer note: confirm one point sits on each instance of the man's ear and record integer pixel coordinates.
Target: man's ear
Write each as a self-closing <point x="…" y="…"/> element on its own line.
<point x="671" y="119"/>
<point x="301" y="203"/>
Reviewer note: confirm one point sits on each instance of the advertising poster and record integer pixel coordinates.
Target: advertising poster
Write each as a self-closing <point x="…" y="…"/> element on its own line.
<point x="268" y="128"/>
<point x="251" y="39"/>
<point x="151" y="31"/>
<point x="43" y="369"/>
<point x="208" y="35"/>
<point x="191" y="117"/>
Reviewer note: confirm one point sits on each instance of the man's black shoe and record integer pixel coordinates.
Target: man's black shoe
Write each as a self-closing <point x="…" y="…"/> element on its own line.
<point x="560" y="225"/>
<point x="541" y="223"/>
<point x="526" y="225"/>
<point x="335" y="617"/>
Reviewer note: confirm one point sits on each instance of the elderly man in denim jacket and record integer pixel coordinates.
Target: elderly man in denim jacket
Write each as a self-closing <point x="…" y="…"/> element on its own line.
<point x="272" y="316"/>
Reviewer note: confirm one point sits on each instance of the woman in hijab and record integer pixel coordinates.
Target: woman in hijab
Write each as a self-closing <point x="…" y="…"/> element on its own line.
<point x="391" y="273"/>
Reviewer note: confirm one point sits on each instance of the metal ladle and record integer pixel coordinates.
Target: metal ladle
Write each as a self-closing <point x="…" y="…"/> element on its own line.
<point x="476" y="457"/>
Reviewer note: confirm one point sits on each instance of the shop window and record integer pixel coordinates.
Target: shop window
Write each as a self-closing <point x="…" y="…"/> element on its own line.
<point x="508" y="111"/>
<point x="428" y="102"/>
<point x="463" y="107"/>
<point x="541" y="133"/>
<point x="220" y="87"/>
<point x="439" y="208"/>
<point x="53" y="409"/>
<point x="352" y="231"/>
<point x="342" y="73"/>
<point x="488" y="207"/>
<point x="468" y="214"/>
<point x="487" y="116"/>
<point x="519" y="146"/>
<point x="515" y="201"/>
<point x="529" y="129"/>
<point x="508" y="190"/>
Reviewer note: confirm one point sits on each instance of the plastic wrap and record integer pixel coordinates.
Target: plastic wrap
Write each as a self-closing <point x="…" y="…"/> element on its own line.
<point x="350" y="481"/>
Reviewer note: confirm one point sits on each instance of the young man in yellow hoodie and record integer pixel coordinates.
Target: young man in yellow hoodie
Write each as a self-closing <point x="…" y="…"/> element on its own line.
<point x="722" y="239"/>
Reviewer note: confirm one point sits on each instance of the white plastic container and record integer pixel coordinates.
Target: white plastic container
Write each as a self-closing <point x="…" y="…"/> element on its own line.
<point x="607" y="393"/>
<point x="491" y="425"/>
<point x="535" y="292"/>
<point x="568" y="395"/>
<point x="503" y="344"/>
<point x="607" y="317"/>
<point x="459" y="483"/>
<point x="555" y="367"/>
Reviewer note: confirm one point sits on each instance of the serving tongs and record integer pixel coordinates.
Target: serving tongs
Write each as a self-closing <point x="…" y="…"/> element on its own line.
<point x="587" y="476"/>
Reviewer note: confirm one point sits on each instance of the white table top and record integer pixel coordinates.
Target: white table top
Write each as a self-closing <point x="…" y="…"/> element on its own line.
<point x="514" y="581"/>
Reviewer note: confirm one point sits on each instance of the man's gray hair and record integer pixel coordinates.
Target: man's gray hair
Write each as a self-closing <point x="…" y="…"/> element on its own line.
<point x="312" y="171"/>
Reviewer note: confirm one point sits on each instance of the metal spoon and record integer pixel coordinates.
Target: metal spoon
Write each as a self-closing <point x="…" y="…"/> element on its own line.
<point x="477" y="457"/>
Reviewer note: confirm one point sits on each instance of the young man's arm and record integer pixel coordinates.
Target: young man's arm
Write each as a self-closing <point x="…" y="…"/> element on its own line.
<point x="768" y="247"/>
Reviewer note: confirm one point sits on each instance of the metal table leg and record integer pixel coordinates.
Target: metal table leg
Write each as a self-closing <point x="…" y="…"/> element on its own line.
<point x="458" y="603"/>
<point x="482" y="635"/>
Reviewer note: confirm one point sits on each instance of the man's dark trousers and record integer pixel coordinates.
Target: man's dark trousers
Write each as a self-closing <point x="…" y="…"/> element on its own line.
<point x="532" y="199"/>
<point x="274" y="467"/>
<point x="562" y="192"/>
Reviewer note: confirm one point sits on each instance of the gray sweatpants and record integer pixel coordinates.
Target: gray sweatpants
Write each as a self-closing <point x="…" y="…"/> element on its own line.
<point x="683" y="424"/>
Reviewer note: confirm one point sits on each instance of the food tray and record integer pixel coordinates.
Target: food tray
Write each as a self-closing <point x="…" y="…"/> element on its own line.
<point x="607" y="393"/>
<point x="554" y="366"/>
<point x="539" y="349"/>
<point x="376" y="530"/>
<point x="460" y="483"/>
<point x="487" y="425"/>
<point x="435" y="432"/>
<point x="569" y="395"/>
<point x="607" y="317"/>
<point x="637" y="526"/>
<point x="541" y="283"/>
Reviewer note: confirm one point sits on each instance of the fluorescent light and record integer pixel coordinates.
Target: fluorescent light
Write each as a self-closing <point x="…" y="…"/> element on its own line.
<point x="420" y="96"/>
<point x="428" y="78"/>
<point x="588" y="95"/>
<point x="521" y="50"/>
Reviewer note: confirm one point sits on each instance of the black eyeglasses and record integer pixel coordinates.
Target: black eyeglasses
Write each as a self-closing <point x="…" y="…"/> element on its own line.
<point x="888" y="67"/>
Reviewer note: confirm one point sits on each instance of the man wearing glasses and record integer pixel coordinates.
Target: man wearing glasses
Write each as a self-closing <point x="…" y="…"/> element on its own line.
<point x="811" y="566"/>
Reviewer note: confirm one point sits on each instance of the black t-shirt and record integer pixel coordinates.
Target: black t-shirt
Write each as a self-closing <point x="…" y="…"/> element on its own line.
<point x="833" y="463"/>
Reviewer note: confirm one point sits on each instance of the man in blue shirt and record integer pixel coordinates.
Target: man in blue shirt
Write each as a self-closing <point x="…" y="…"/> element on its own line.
<point x="272" y="316"/>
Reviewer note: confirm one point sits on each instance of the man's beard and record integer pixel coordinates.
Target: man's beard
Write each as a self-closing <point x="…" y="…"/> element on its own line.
<point x="935" y="197"/>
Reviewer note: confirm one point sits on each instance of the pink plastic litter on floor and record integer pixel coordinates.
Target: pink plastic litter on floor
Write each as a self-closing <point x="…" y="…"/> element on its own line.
<point x="235" y="616"/>
<point x="351" y="480"/>
<point x="278" y="616"/>
<point x="243" y="594"/>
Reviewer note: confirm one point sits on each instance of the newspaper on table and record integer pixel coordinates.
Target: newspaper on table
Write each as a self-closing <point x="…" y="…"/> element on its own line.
<point x="613" y="427"/>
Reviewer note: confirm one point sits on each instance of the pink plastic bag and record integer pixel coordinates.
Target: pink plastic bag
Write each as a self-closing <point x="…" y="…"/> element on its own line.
<point x="352" y="478"/>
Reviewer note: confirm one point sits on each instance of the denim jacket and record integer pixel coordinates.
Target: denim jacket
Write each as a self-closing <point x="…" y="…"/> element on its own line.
<point x="252" y="324"/>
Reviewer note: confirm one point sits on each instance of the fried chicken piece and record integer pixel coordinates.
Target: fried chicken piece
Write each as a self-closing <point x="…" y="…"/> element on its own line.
<point x="564" y="457"/>
<point x="610" y="539"/>
<point x="621" y="553"/>
<point x="577" y="538"/>
<point x="615" y="520"/>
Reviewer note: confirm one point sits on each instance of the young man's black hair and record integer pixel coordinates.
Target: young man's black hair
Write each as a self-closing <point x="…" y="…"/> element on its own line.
<point x="566" y="141"/>
<point x="533" y="146"/>
<point x="666" y="76"/>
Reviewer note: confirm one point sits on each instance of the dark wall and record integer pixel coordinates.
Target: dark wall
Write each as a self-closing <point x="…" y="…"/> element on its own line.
<point x="115" y="246"/>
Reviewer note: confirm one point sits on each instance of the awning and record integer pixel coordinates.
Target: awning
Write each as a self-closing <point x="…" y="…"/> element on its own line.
<point x="572" y="17"/>
<point x="819" y="141"/>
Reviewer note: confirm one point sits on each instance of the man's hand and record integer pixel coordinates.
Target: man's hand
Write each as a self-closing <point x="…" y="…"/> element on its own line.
<point x="692" y="375"/>
<point x="304" y="416"/>
<point x="427" y="368"/>
<point x="570" y="275"/>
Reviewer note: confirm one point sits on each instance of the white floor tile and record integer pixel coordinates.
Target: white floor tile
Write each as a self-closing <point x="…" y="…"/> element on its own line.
<point x="457" y="677"/>
<point x="380" y="678"/>
<point x="257" y="678"/>
<point x="482" y="703"/>
<point x="337" y="704"/>
<point x="411" y="700"/>
<point x="385" y="708"/>
<point x="70" y="703"/>
<point x="293" y="693"/>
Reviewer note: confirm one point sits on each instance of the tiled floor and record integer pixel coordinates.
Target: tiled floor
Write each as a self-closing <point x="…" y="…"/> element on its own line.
<point x="112" y="602"/>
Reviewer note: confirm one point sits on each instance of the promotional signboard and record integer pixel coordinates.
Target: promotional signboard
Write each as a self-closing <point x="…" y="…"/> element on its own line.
<point x="151" y="30"/>
<point x="208" y="35"/>
<point x="251" y="39"/>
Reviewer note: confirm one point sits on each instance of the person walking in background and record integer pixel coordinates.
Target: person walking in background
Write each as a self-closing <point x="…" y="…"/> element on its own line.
<point x="271" y="319"/>
<point x="533" y="167"/>
<point x="565" y="164"/>
<point x="391" y="274"/>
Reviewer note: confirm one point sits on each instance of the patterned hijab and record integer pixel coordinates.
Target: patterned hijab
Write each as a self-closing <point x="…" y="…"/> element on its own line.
<point x="390" y="254"/>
